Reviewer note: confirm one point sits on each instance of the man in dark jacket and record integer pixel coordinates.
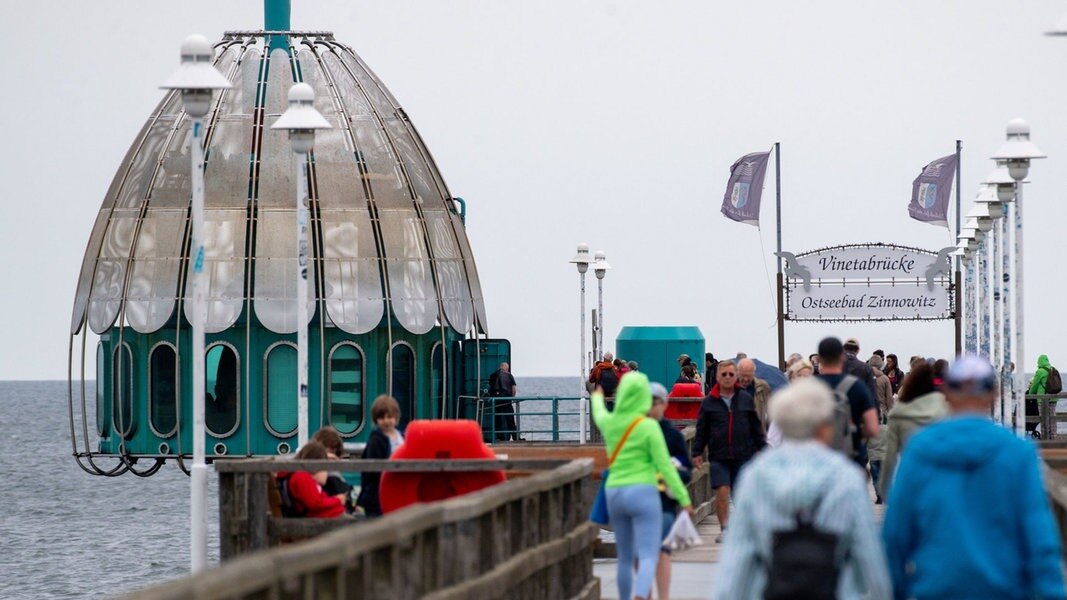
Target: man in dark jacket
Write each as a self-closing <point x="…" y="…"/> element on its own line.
<point x="855" y="366"/>
<point x="605" y="375"/>
<point x="502" y="386"/>
<point x="862" y="405"/>
<point x="730" y="429"/>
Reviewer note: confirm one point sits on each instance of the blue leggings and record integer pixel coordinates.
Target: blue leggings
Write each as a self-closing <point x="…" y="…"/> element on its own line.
<point x="637" y="516"/>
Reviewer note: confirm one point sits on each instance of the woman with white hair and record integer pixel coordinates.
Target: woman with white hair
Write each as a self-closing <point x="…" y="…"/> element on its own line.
<point x="803" y="480"/>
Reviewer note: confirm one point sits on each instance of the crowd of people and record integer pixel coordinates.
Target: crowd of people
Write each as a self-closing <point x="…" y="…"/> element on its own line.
<point x="795" y="474"/>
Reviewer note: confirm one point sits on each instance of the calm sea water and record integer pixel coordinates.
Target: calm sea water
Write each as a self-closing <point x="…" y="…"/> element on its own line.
<point x="68" y="534"/>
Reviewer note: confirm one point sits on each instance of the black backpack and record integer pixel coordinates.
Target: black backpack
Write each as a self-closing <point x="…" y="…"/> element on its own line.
<point x="609" y="380"/>
<point x="804" y="562"/>
<point x="1053" y="385"/>
<point x="290" y="507"/>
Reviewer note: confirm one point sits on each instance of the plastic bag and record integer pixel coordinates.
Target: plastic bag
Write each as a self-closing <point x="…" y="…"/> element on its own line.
<point x="683" y="534"/>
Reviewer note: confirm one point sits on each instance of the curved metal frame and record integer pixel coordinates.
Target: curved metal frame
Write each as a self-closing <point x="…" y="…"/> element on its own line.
<point x="327" y="390"/>
<point x="177" y="389"/>
<point x="444" y="377"/>
<point x="414" y="376"/>
<point x="124" y="433"/>
<point x="266" y="389"/>
<point x="237" y="380"/>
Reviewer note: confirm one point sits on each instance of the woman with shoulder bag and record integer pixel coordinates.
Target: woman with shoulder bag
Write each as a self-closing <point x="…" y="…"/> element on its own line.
<point x="640" y="454"/>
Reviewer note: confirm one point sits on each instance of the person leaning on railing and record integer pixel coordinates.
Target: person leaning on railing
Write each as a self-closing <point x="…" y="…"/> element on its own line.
<point x="632" y="493"/>
<point x="305" y="488"/>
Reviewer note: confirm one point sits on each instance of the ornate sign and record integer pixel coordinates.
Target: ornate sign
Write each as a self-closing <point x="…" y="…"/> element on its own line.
<point x="868" y="282"/>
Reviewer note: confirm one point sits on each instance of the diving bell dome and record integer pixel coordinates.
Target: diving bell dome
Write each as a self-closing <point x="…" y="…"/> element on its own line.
<point x="387" y="243"/>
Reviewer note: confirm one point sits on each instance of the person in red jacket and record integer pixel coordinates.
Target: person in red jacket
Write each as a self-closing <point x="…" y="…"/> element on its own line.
<point x="305" y="489"/>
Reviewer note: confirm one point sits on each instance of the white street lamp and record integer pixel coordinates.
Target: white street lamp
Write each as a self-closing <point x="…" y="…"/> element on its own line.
<point x="965" y="302"/>
<point x="1018" y="151"/>
<point x="978" y="218"/>
<point x="1000" y="186"/>
<point x="301" y="120"/>
<point x="582" y="260"/>
<point x="992" y="211"/>
<point x="600" y="267"/>
<point x="197" y="79"/>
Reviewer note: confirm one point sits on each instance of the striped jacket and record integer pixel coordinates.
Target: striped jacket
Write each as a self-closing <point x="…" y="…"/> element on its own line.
<point x="776" y="485"/>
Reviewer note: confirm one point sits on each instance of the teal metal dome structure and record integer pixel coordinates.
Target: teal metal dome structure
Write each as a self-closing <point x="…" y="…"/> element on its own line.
<point x="396" y="299"/>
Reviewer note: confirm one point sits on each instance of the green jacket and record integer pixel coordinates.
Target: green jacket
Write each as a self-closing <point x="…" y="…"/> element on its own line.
<point x="904" y="420"/>
<point x="644" y="455"/>
<point x="1037" y="385"/>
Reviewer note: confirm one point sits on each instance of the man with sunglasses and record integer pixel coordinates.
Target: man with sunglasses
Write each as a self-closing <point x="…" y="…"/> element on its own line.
<point x="730" y="429"/>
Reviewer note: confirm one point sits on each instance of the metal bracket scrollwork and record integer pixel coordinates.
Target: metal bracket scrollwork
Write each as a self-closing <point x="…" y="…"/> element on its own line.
<point x="794" y="269"/>
<point x="942" y="265"/>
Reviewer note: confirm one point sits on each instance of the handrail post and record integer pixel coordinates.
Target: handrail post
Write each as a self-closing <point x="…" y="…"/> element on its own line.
<point x="555" y="418"/>
<point x="581" y="420"/>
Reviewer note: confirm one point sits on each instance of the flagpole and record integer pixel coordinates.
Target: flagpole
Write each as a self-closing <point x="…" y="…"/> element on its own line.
<point x="781" y="286"/>
<point x="959" y="315"/>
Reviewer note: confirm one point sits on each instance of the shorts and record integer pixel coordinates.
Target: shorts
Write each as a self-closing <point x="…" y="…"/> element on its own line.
<point x="668" y="522"/>
<point x="724" y="472"/>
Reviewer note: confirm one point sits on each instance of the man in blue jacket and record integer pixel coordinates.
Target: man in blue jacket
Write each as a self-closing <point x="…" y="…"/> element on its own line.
<point x="968" y="516"/>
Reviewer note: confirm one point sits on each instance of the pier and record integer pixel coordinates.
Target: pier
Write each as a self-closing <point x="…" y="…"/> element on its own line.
<point x="526" y="538"/>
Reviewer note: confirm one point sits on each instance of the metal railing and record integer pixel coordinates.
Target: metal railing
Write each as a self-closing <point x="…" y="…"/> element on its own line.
<point x="537" y="418"/>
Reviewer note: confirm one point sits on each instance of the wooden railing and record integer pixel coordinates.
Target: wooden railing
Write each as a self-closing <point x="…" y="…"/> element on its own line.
<point x="529" y="537"/>
<point x="1047" y="416"/>
<point x="1054" y="468"/>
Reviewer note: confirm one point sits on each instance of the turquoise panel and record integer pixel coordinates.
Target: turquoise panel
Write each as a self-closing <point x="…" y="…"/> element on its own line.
<point x="656" y="349"/>
<point x="281" y="389"/>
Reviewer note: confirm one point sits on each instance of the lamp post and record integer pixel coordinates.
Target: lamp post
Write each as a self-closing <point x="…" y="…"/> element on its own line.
<point x="966" y="302"/>
<point x="977" y="246"/>
<point x="600" y="267"/>
<point x="979" y="217"/>
<point x="582" y="260"/>
<point x="1002" y="186"/>
<point x="1018" y="151"/>
<point x="197" y="79"/>
<point x="301" y="120"/>
<point x="996" y="209"/>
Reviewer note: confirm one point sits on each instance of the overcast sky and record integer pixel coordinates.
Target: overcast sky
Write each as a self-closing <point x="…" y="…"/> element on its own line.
<point x="607" y="122"/>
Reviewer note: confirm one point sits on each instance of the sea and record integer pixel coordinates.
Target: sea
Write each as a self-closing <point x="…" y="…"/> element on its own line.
<point x="69" y="534"/>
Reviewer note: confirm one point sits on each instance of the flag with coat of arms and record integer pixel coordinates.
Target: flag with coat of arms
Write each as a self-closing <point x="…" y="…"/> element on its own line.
<point x="932" y="190"/>
<point x="743" y="191"/>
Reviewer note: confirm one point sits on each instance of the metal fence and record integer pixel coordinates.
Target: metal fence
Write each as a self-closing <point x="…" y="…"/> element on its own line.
<point x="537" y="418"/>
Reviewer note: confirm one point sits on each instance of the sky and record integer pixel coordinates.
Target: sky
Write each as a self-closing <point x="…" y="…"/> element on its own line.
<point x="607" y="122"/>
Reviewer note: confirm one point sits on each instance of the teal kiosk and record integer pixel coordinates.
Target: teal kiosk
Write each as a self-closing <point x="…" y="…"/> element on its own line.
<point x="656" y="349"/>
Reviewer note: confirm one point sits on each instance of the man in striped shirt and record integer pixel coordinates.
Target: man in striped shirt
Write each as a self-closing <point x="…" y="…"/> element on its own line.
<point x="803" y="475"/>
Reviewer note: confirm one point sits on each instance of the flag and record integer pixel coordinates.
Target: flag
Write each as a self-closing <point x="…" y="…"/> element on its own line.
<point x="743" y="191"/>
<point x="932" y="190"/>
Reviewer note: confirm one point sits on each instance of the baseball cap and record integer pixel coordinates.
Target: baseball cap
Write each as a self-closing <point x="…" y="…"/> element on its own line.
<point x="683" y="356"/>
<point x="658" y="391"/>
<point x="852" y="342"/>
<point x="971" y="373"/>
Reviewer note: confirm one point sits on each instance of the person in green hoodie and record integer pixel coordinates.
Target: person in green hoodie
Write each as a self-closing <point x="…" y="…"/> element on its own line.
<point x="920" y="403"/>
<point x="632" y="492"/>
<point x="1038" y="385"/>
